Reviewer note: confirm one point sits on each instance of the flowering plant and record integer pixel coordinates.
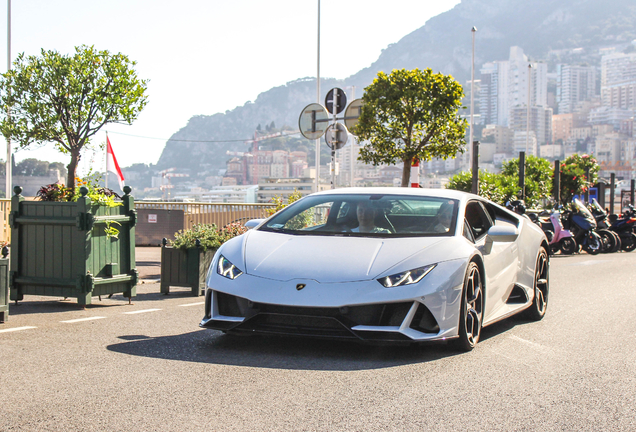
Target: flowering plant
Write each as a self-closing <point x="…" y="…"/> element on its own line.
<point x="99" y="195"/>
<point x="573" y="178"/>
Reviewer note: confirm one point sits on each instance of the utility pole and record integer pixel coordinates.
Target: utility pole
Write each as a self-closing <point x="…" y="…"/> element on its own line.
<point x="8" y="165"/>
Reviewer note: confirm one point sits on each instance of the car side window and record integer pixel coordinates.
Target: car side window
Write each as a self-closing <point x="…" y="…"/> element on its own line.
<point x="477" y="219"/>
<point x="468" y="233"/>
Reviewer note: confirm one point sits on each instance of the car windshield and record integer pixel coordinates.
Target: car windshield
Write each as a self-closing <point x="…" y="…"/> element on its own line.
<point x="367" y="215"/>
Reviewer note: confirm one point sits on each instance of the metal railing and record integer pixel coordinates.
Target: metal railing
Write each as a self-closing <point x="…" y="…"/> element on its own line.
<point x="194" y="213"/>
<point x="209" y="213"/>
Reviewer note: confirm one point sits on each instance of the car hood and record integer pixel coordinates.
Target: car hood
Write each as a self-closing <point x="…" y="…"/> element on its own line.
<point x="329" y="259"/>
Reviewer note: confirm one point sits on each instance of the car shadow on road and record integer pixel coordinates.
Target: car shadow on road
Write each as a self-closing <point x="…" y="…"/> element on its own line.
<point x="278" y="352"/>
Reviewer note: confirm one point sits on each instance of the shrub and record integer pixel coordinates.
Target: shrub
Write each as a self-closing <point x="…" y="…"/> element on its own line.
<point x="209" y="236"/>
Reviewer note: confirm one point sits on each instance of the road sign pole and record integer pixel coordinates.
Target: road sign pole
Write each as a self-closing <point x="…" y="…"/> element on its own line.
<point x="335" y="139"/>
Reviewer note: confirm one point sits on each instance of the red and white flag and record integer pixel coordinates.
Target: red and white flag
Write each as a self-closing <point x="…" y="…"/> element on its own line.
<point x="112" y="165"/>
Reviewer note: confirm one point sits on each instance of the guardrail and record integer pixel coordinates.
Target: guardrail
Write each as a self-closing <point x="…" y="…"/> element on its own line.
<point x="209" y="213"/>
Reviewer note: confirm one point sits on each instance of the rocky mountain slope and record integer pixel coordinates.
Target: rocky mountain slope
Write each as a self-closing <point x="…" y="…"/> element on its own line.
<point x="443" y="44"/>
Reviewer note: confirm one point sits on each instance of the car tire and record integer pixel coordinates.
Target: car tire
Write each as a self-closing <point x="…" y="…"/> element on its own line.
<point x="472" y="309"/>
<point x="568" y="245"/>
<point x="539" y="305"/>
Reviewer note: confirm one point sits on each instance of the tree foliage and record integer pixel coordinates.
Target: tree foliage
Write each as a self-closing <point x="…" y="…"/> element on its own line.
<point x="67" y="99"/>
<point x="495" y="187"/>
<point x="504" y="186"/>
<point x="539" y="177"/>
<point x="411" y="114"/>
<point x="573" y="179"/>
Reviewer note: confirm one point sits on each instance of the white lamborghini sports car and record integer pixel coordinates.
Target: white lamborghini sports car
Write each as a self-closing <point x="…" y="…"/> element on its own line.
<point x="380" y="264"/>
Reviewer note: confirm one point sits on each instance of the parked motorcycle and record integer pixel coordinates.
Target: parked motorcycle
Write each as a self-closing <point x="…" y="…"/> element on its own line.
<point x="582" y="225"/>
<point x="560" y="238"/>
<point x="611" y="240"/>
<point x="624" y="225"/>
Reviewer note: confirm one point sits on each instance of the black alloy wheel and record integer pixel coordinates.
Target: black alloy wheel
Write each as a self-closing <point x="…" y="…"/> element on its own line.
<point x="472" y="309"/>
<point x="536" y="311"/>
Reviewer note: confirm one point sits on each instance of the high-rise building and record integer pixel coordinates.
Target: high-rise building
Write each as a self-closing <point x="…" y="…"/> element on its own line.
<point x="540" y="122"/>
<point x="574" y="84"/>
<point x="504" y="86"/>
<point x="618" y="80"/>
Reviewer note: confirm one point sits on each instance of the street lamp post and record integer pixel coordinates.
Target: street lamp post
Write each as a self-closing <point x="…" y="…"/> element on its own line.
<point x="528" y="107"/>
<point x="472" y="98"/>
<point x="8" y="166"/>
<point x="317" y="180"/>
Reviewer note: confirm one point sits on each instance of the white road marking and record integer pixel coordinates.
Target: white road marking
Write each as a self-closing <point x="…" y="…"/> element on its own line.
<point x="590" y="262"/>
<point x="141" y="311"/>
<point x="16" y="329"/>
<point x="534" y="344"/>
<point x="192" y="304"/>
<point x="83" y="319"/>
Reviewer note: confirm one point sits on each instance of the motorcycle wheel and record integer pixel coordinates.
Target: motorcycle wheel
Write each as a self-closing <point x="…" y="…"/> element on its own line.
<point x="554" y="248"/>
<point x="594" y="244"/>
<point x="567" y="245"/>
<point x="619" y="242"/>
<point x="628" y="242"/>
<point x="608" y="239"/>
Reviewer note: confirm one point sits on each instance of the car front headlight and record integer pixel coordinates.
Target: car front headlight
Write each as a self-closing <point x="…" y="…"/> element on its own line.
<point x="407" y="277"/>
<point x="226" y="269"/>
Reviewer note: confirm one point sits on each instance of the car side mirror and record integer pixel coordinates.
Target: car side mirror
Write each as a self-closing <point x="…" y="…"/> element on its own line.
<point x="503" y="233"/>
<point x="253" y="223"/>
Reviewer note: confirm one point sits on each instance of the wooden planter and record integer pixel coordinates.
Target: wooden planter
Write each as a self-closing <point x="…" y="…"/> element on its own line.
<point x="185" y="268"/>
<point x="4" y="286"/>
<point x="61" y="248"/>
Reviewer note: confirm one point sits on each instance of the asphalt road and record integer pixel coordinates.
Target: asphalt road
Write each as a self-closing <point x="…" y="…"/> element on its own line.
<point x="154" y="370"/>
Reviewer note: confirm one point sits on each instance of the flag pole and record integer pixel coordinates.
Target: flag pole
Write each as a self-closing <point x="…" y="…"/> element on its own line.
<point x="106" y="160"/>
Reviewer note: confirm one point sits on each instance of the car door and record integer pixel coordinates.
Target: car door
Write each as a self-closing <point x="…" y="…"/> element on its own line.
<point x="500" y="259"/>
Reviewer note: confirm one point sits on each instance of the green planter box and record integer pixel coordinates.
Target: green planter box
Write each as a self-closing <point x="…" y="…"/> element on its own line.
<point x="61" y="248"/>
<point x="4" y="288"/>
<point x="185" y="268"/>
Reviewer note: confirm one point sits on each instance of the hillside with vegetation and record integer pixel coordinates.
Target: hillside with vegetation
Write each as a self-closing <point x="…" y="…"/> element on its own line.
<point x="546" y="29"/>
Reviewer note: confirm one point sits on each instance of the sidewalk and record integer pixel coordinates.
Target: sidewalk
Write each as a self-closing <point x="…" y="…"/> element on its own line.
<point x="148" y="262"/>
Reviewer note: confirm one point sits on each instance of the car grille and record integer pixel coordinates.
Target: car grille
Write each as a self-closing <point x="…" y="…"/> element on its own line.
<point x="329" y="322"/>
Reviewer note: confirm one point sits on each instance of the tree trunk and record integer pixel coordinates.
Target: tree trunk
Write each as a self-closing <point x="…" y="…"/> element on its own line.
<point x="406" y="173"/>
<point x="72" y="168"/>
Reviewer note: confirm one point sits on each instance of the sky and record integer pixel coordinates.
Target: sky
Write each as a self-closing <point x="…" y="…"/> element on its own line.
<point x="206" y="56"/>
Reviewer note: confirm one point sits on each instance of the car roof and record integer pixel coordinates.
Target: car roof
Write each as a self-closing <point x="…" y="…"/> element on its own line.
<point x="438" y="193"/>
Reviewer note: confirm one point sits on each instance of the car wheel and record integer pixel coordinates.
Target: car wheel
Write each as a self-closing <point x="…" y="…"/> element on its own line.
<point x="541" y="287"/>
<point x="472" y="309"/>
<point x="568" y="245"/>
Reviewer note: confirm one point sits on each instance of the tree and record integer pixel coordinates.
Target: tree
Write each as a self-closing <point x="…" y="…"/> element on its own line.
<point x="67" y="99"/>
<point x="411" y="114"/>
<point x="539" y="175"/>
<point x="573" y="178"/>
<point x="504" y="186"/>
<point x="32" y="167"/>
<point x="495" y="187"/>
